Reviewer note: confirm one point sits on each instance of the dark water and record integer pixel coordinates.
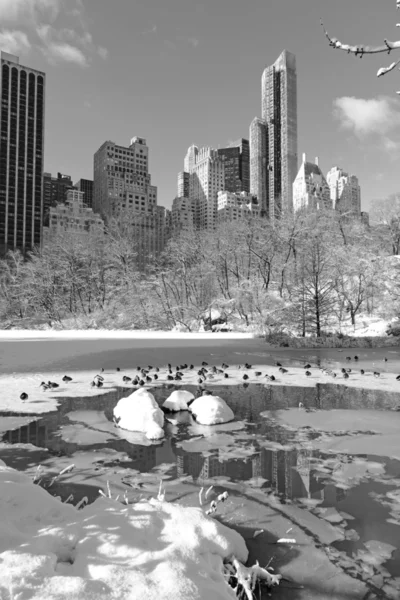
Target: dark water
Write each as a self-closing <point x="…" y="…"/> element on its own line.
<point x="257" y="451"/>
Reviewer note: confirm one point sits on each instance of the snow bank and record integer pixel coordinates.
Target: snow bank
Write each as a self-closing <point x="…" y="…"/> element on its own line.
<point x="211" y="410"/>
<point x="178" y="400"/>
<point x="108" y="551"/>
<point x="140" y="412"/>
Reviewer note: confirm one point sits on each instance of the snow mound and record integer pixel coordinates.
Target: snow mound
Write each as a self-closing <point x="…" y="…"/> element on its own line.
<point x="140" y="412"/>
<point x="178" y="400"/>
<point x="211" y="410"/>
<point x="109" y="551"/>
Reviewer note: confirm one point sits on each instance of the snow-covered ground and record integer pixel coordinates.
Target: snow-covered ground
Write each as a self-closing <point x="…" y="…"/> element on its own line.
<point x="152" y="549"/>
<point x="24" y="334"/>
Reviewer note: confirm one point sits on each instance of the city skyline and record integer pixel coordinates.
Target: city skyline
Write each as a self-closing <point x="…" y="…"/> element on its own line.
<point x="344" y="111"/>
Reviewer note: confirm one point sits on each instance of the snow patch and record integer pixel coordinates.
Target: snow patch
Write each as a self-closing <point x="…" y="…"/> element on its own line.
<point x="140" y="412"/>
<point x="178" y="400"/>
<point x="211" y="410"/>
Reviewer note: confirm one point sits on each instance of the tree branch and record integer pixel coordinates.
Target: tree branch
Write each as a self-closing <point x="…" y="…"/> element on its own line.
<point x="361" y="50"/>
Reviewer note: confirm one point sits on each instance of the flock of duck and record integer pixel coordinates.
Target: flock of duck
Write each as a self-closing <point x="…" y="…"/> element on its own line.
<point x="145" y="375"/>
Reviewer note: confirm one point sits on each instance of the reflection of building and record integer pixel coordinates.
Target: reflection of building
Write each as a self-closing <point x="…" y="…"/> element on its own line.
<point x="33" y="433"/>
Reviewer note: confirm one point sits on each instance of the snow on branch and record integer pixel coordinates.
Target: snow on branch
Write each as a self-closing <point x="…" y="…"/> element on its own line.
<point x="360" y="50"/>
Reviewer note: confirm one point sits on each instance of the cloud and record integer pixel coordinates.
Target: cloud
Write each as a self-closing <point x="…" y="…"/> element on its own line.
<point x="14" y="42"/>
<point x="56" y="49"/>
<point x="152" y="30"/>
<point x="374" y="117"/>
<point x="16" y="10"/>
<point x="102" y="52"/>
<point x="363" y="117"/>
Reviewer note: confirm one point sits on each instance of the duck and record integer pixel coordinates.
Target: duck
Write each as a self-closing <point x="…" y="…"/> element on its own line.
<point x="398" y="378"/>
<point x="346" y="375"/>
<point x="66" y="379"/>
<point x="282" y="370"/>
<point x="377" y="374"/>
<point x="308" y="373"/>
<point x="245" y="376"/>
<point x="247" y="365"/>
<point x="125" y="379"/>
<point x="99" y="377"/>
<point x="24" y="396"/>
<point x="226" y="375"/>
<point x="118" y="369"/>
<point x="99" y="383"/>
<point x="343" y="370"/>
<point x="155" y="376"/>
<point x="270" y="377"/>
<point x="224" y="366"/>
<point x="348" y="357"/>
<point x="278" y="364"/>
<point x="44" y="386"/>
<point x="53" y="385"/>
<point x="356" y="358"/>
<point x="362" y="372"/>
<point x="170" y="377"/>
<point x="191" y="367"/>
<point x="385" y="359"/>
<point x="307" y="366"/>
<point x="204" y="364"/>
<point x="258" y="373"/>
<point x="149" y="379"/>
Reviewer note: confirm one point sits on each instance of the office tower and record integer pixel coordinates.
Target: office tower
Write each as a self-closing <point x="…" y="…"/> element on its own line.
<point x="237" y="166"/>
<point x="122" y="190"/>
<point x="183" y="185"/>
<point x="22" y="92"/>
<point x="207" y="178"/>
<point x="310" y="188"/>
<point x="190" y="158"/>
<point x="234" y="206"/>
<point x="279" y="111"/>
<point x="345" y="191"/>
<point x="258" y="162"/>
<point x="73" y="217"/>
<point x="86" y="186"/>
<point x="54" y="192"/>
<point x="182" y="216"/>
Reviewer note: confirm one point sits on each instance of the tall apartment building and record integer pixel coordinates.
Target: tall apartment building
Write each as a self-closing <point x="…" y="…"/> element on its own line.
<point x="22" y="91"/>
<point x="207" y="178"/>
<point x="279" y="113"/>
<point x="183" y="184"/>
<point x="310" y="188"/>
<point x="345" y="191"/>
<point x="86" y="186"/>
<point x="122" y="189"/>
<point x="54" y="192"/>
<point x="237" y="166"/>
<point x="258" y="162"/>
<point x="182" y="215"/>
<point x="234" y="206"/>
<point x="190" y="158"/>
<point x="73" y="217"/>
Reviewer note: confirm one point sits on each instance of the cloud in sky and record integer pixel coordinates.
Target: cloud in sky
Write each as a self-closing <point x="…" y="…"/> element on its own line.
<point x="14" y="41"/>
<point x="375" y="116"/>
<point x="58" y="45"/>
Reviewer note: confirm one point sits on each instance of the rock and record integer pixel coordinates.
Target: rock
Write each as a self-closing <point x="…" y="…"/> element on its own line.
<point x="178" y="400"/>
<point x="211" y="410"/>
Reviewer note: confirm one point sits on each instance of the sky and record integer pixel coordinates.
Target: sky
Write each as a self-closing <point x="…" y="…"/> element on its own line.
<point x="182" y="72"/>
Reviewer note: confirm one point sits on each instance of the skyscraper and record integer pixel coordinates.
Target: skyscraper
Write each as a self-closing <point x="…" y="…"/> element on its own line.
<point x="183" y="184"/>
<point x="345" y="191"/>
<point x="207" y="178"/>
<point x="279" y="111"/>
<point x="258" y="162"/>
<point x="310" y="188"/>
<point x="237" y="167"/>
<point x="86" y="186"/>
<point x="54" y="192"/>
<point x="22" y="91"/>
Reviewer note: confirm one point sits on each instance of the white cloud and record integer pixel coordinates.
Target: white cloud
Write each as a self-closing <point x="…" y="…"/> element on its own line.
<point x="14" y="42"/>
<point x="363" y="117"/>
<point x="56" y="49"/>
<point x="102" y="52"/>
<point x="15" y="10"/>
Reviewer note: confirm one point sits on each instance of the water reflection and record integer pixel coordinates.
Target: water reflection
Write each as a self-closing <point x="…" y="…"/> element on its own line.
<point x="348" y="491"/>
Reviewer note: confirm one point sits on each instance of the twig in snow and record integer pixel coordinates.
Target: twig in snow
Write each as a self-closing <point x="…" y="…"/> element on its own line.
<point x="208" y="491"/>
<point x="82" y="502"/>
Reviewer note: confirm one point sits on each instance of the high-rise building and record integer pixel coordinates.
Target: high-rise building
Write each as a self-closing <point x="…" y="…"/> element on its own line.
<point x="258" y="162"/>
<point x="190" y="158"/>
<point x="345" y="191"/>
<point x="86" y="186"/>
<point x="181" y="214"/>
<point x="22" y="91"/>
<point x="237" y="166"/>
<point x="279" y="111"/>
<point x="310" y="188"/>
<point x="54" y="192"/>
<point x="183" y="184"/>
<point x="234" y="206"/>
<point x="73" y="217"/>
<point x="122" y="189"/>
<point x="207" y="178"/>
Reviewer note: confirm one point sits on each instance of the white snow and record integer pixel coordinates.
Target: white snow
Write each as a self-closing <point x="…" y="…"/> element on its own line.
<point x="211" y="410"/>
<point x="178" y="400"/>
<point x="108" y="551"/>
<point x="25" y="334"/>
<point x="140" y="412"/>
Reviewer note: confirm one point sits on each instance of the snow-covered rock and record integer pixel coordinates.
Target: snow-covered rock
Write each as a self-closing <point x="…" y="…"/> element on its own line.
<point x="109" y="551"/>
<point x="178" y="400"/>
<point x="211" y="410"/>
<point x="140" y="412"/>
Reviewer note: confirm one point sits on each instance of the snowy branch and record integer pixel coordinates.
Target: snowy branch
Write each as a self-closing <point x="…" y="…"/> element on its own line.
<point x="360" y="50"/>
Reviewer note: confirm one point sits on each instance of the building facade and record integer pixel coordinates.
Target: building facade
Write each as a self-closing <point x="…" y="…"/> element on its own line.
<point x="122" y="190"/>
<point x="182" y="215"/>
<point x="237" y="166"/>
<point x="310" y="188"/>
<point x="207" y="178"/>
<point x="86" y="186"/>
<point x="259" y="162"/>
<point x="22" y="112"/>
<point x="73" y="217"/>
<point x="235" y="206"/>
<point x="279" y="111"/>
<point x="345" y="191"/>
<point x="54" y="192"/>
<point x="183" y="184"/>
